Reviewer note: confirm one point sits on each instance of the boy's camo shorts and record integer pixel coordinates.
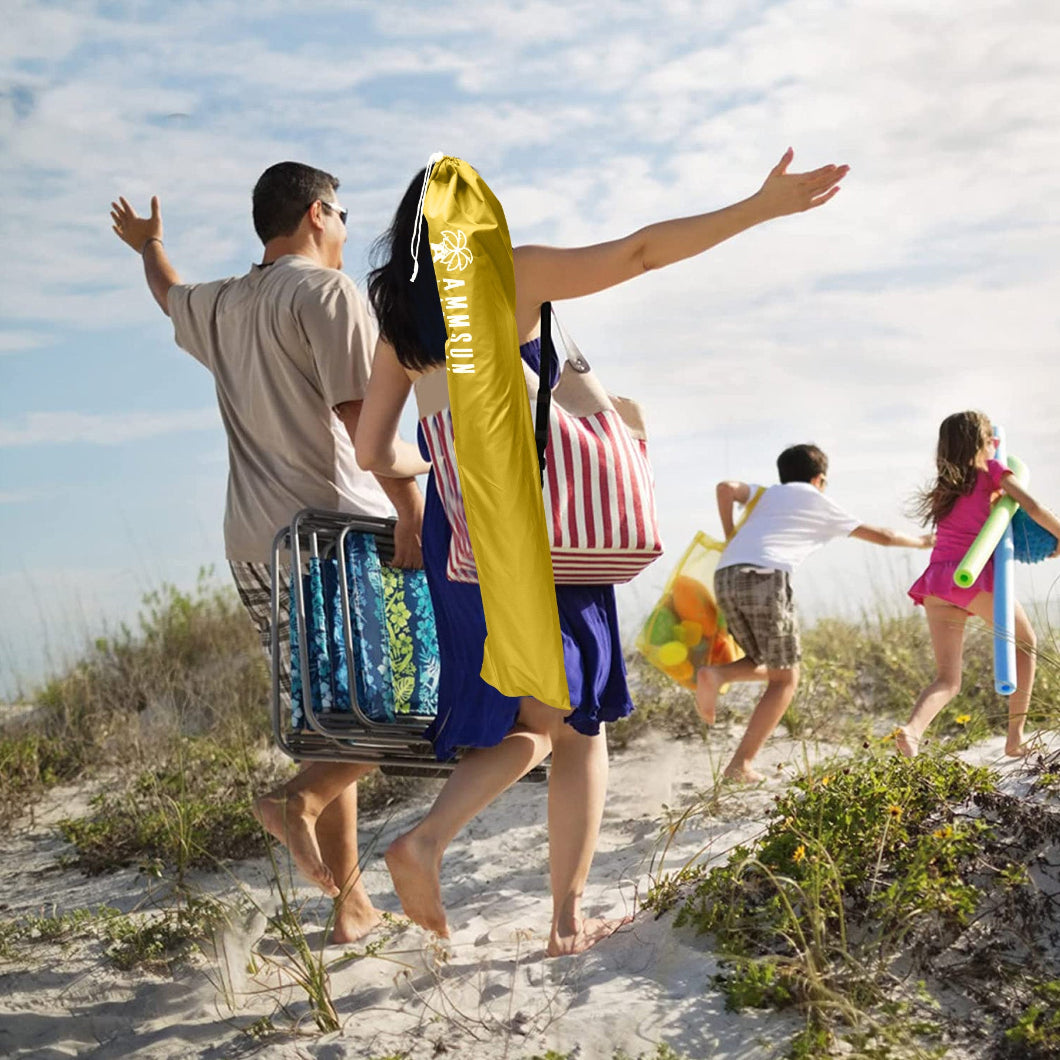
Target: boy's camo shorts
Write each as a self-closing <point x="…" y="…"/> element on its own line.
<point x="760" y="612"/>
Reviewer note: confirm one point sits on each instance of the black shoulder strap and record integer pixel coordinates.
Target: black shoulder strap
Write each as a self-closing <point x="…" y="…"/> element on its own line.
<point x="544" y="389"/>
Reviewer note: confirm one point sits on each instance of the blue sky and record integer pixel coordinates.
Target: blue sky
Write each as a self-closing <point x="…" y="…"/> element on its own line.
<point x="930" y="283"/>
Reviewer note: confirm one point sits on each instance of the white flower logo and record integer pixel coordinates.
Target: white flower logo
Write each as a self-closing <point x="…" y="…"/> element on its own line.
<point x="452" y="251"/>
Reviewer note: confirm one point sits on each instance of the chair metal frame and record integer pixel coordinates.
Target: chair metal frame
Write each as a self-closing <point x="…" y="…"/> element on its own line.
<point x="397" y="747"/>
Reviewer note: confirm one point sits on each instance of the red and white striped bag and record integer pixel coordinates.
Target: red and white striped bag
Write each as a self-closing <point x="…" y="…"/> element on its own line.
<point x="598" y="485"/>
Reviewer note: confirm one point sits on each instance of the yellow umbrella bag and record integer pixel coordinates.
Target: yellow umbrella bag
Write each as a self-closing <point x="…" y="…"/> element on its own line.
<point x="492" y="435"/>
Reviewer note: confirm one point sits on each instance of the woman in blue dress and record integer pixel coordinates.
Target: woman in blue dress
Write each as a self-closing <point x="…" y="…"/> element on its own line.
<point x="502" y="738"/>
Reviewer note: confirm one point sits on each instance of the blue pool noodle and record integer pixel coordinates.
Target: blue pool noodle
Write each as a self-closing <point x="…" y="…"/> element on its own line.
<point x="1004" y="600"/>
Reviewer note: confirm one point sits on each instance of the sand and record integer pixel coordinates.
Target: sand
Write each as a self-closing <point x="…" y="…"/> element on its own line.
<point x="488" y="992"/>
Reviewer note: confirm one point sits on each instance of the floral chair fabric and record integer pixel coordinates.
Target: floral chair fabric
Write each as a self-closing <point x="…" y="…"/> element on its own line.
<point x="393" y="638"/>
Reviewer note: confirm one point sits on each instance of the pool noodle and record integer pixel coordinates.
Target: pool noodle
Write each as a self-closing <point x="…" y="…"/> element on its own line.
<point x="1004" y="599"/>
<point x="987" y="540"/>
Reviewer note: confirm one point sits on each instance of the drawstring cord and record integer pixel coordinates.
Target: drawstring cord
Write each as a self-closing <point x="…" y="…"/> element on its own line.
<point x="416" y="228"/>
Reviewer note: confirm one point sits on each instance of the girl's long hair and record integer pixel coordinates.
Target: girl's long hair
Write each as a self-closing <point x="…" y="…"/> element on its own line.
<point x="961" y="438"/>
<point x="409" y="314"/>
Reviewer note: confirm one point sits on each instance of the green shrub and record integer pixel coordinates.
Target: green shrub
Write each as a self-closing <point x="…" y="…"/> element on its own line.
<point x="157" y="942"/>
<point x="869" y="864"/>
<point x="190" y="811"/>
<point x="193" y="666"/>
<point x="1036" y="1033"/>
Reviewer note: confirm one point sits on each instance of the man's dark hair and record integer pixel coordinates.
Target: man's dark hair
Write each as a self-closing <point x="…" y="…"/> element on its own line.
<point x="282" y="195"/>
<point x="801" y="463"/>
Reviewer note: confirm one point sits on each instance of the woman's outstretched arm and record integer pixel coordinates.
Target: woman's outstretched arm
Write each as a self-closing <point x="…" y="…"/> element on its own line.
<point x="550" y="273"/>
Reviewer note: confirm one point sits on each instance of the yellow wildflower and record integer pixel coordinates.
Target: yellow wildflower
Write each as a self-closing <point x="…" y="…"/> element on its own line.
<point x="943" y="833"/>
<point x="825" y="781"/>
<point x="963" y="719"/>
<point x="895" y="811"/>
<point x="800" y="853"/>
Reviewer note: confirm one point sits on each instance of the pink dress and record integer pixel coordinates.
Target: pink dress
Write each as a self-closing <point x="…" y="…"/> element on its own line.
<point x="953" y="537"/>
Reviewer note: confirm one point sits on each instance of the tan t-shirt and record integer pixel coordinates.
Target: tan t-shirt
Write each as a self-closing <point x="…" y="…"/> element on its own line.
<point x="286" y="343"/>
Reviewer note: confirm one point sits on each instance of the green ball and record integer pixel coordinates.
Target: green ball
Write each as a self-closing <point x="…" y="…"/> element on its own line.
<point x="661" y="626"/>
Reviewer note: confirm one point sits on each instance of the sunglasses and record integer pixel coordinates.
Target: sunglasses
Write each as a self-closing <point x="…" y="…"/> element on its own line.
<point x="336" y="208"/>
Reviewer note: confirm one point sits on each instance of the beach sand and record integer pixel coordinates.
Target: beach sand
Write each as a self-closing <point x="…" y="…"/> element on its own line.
<point x="488" y="992"/>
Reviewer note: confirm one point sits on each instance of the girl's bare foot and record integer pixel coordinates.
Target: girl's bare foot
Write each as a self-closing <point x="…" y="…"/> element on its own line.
<point x="353" y="924"/>
<point x="1017" y="747"/>
<point x="285" y="819"/>
<point x="583" y="935"/>
<point x="414" y="867"/>
<point x="907" y="742"/>
<point x="707" y="686"/>
<point x="742" y="775"/>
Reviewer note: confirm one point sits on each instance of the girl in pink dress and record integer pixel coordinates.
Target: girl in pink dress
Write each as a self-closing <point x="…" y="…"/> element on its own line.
<point x="969" y="481"/>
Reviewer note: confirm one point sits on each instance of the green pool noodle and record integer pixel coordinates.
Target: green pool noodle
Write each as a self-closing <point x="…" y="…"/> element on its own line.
<point x="983" y="546"/>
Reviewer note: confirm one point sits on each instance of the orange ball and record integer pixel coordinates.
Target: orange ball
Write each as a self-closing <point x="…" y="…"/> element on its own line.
<point x="682" y="673"/>
<point x="694" y="603"/>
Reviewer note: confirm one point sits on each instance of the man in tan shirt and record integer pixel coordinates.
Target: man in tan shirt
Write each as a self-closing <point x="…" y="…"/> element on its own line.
<point x="290" y="347"/>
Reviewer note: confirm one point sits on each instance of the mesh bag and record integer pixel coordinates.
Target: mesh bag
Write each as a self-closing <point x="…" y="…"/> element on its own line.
<point x="686" y="629"/>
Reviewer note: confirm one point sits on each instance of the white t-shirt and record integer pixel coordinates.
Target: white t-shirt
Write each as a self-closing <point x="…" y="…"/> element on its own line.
<point x="789" y="523"/>
<point x="285" y="343"/>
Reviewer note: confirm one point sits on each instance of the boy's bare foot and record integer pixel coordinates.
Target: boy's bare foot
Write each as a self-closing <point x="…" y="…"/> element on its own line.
<point x="742" y="775"/>
<point x="414" y="868"/>
<point x="707" y="686"/>
<point x="907" y="743"/>
<point x="285" y="819"/>
<point x="353" y="924"/>
<point x="586" y="934"/>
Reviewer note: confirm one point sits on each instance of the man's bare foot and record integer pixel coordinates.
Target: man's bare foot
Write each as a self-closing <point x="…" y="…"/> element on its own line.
<point x="285" y="819"/>
<point x="587" y="933"/>
<point x="351" y="925"/>
<point x="707" y="686"/>
<point x="908" y="743"/>
<point x="742" y="775"/>
<point x="414" y="867"/>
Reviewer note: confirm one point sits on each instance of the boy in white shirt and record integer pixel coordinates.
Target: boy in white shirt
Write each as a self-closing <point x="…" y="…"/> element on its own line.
<point x="752" y="585"/>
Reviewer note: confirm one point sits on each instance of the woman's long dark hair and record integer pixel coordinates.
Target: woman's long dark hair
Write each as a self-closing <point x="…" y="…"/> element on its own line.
<point x="409" y="314"/>
<point x="961" y="438"/>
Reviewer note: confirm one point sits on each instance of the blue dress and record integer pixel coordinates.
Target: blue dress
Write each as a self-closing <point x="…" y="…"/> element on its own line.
<point x="472" y="713"/>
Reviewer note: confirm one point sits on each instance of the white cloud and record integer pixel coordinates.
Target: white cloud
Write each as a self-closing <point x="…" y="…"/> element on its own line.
<point x="63" y="428"/>
<point x="20" y="341"/>
<point x="927" y="285"/>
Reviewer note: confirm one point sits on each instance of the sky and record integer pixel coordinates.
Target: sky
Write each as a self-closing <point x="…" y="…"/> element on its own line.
<point x="928" y="285"/>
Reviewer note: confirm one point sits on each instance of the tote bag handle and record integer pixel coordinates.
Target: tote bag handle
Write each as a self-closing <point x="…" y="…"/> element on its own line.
<point x="544" y="388"/>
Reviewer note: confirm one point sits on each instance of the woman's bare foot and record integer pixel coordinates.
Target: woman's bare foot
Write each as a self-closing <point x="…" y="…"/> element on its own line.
<point x="742" y="775"/>
<point x="285" y="819"/>
<point x="707" y="686"/>
<point x="351" y="925"/>
<point x="586" y="933"/>
<point x="414" y="867"/>
<point x="907" y="742"/>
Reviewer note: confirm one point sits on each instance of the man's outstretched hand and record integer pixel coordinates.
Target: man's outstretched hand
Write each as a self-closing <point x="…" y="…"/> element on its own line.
<point x="130" y="228"/>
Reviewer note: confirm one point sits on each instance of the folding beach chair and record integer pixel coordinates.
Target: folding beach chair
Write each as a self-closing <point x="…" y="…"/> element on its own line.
<point x="362" y="649"/>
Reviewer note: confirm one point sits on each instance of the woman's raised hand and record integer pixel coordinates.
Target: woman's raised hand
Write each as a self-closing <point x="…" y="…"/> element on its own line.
<point x="784" y="192"/>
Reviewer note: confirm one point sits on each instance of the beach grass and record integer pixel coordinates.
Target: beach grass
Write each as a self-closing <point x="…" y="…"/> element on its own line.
<point x="869" y="870"/>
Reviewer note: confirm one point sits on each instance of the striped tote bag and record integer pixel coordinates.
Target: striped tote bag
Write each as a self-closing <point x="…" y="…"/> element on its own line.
<point x="598" y="486"/>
